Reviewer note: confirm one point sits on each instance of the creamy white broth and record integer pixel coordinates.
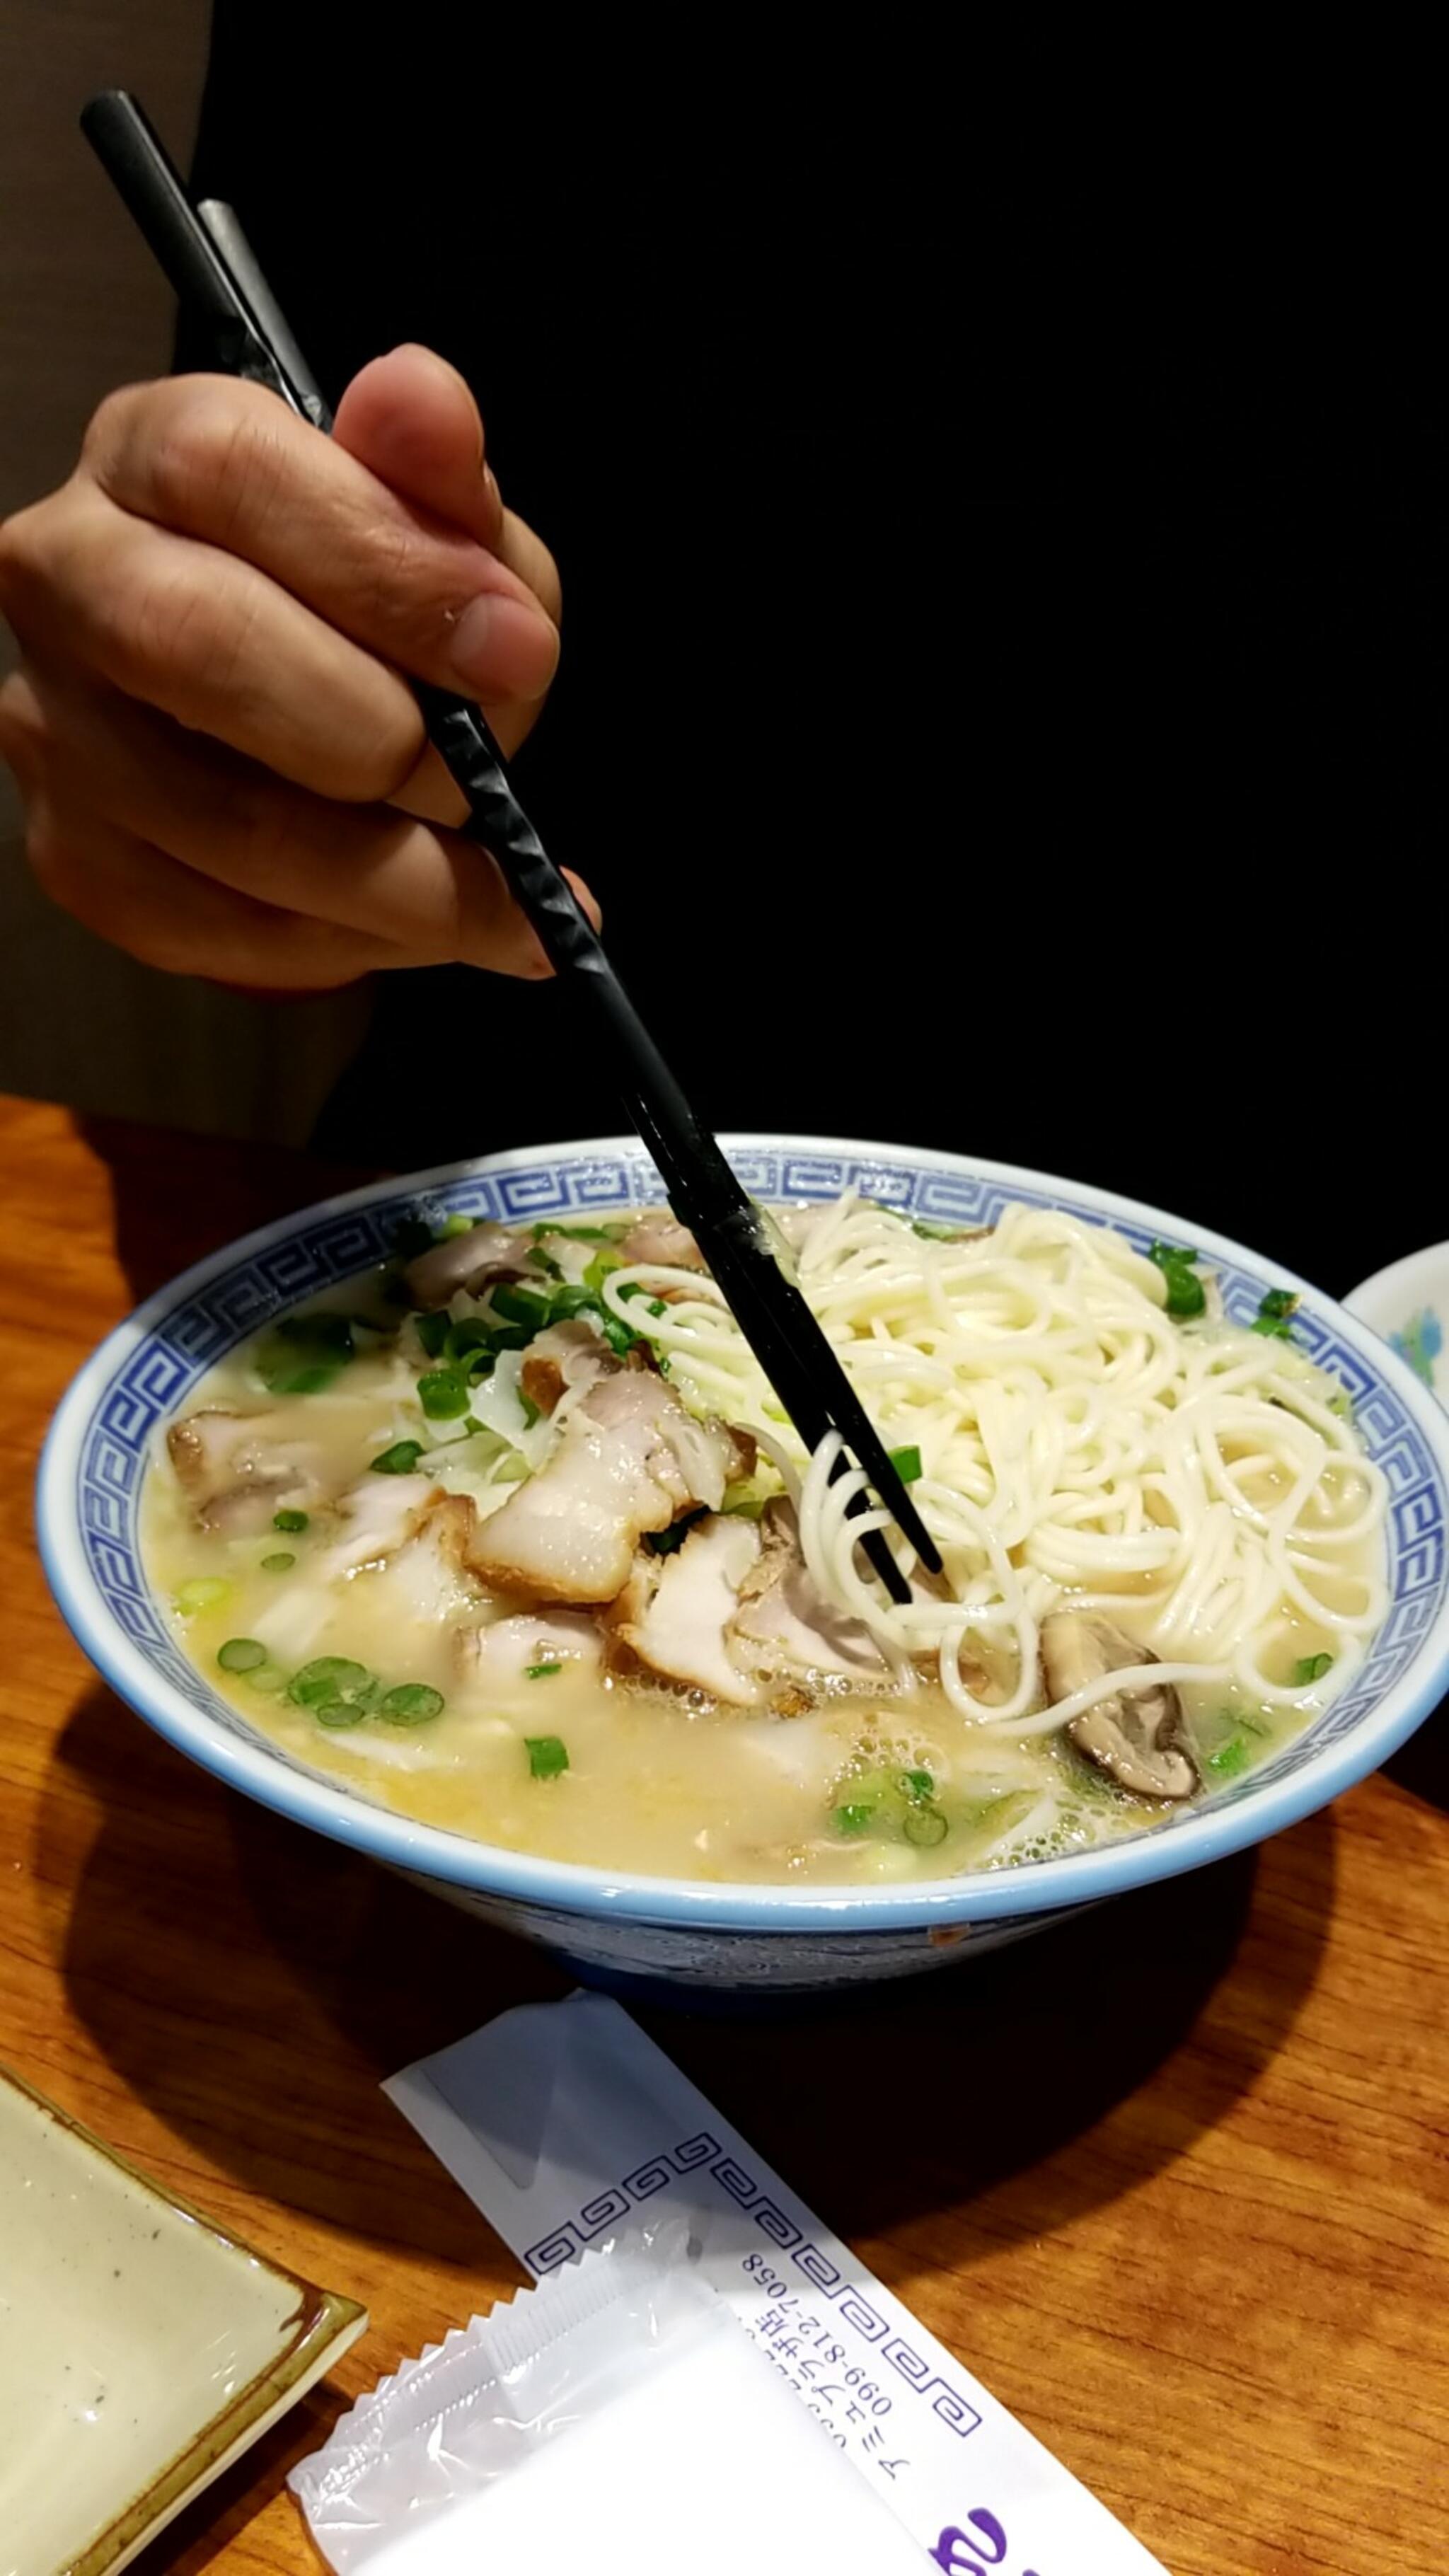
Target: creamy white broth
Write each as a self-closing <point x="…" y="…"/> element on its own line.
<point x="831" y="1779"/>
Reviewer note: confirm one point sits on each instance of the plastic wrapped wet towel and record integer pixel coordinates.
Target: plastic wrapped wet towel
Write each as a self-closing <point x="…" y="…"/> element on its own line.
<point x="616" y="2419"/>
<point x="566" y="2125"/>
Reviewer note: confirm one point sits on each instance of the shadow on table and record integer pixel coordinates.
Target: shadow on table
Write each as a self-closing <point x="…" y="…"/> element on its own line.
<point x="177" y="1196"/>
<point x="252" y="1982"/>
<point x="194" y="2542"/>
<point x="1422" y="1765"/>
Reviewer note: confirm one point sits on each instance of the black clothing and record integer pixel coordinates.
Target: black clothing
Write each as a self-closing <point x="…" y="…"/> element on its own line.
<point x="1112" y="810"/>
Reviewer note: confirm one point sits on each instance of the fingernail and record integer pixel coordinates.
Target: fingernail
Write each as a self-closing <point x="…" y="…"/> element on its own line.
<point x="491" y="480"/>
<point x="499" y="648"/>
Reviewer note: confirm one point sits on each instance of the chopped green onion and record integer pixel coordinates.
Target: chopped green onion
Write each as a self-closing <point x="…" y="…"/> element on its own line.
<point x="664" y="1542"/>
<point x="204" y="1592"/>
<point x="337" y="1712"/>
<point x="1231" y="1758"/>
<point x="304" y="1353"/>
<point x="468" y="1337"/>
<point x="746" y="1499"/>
<point x="412" y="1237"/>
<point x="577" y="1233"/>
<point x="443" y="1394"/>
<point x="433" y="1331"/>
<point x="410" y="1704"/>
<point x="268" y="1678"/>
<point x="544" y="1261"/>
<point x="1186" y="1294"/>
<point x="241" y="1655"/>
<point x="1274" y="1313"/>
<point x="455" y="1224"/>
<point x="1310" y="1668"/>
<point x="918" y="1784"/>
<point x="540" y="1672"/>
<point x="399" y="1460"/>
<point x="932" y="1233"/>
<point x="907" y="1464"/>
<point x="548" y="1755"/>
<point x="280" y="1563"/>
<point x="636" y="1288"/>
<point x="571" y="1300"/>
<point x="599" y="1269"/>
<point x="321" y="1332"/>
<point x="925" y="1826"/>
<point x="529" y="1409"/>
<point x="333" y="1680"/>
<point x="511" y="1337"/>
<point x="289" y="1522"/>
<point x="854" y="1819"/>
<point x="520" y="1305"/>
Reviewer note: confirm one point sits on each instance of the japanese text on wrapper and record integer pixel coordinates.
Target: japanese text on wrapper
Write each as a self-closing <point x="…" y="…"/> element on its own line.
<point x="813" y="2353"/>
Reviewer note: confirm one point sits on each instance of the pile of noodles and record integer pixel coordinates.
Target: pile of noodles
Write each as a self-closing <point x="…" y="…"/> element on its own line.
<point x="1199" y="1482"/>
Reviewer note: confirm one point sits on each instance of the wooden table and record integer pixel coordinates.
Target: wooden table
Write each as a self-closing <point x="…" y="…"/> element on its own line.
<point x="1172" y="2185"/>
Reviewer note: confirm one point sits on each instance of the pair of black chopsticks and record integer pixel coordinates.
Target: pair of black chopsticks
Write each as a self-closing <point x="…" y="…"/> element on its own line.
<point x="205" y="254"/>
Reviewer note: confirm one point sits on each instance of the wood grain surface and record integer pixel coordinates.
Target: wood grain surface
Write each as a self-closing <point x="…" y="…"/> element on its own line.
<point x="1172" y="2184"/>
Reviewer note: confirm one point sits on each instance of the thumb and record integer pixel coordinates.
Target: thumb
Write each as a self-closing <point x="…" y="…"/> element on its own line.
<point x="412" y="420"/>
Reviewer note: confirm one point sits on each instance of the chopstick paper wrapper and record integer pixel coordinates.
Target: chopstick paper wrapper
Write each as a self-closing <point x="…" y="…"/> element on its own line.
<point x="567" y="2127"/>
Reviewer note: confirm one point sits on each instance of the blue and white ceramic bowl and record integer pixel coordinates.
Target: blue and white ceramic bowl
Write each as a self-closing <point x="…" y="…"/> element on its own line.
<point x="613" y="1927"/>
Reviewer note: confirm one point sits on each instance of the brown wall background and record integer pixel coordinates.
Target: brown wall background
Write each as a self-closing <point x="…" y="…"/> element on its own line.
<point x="82" y="309"/>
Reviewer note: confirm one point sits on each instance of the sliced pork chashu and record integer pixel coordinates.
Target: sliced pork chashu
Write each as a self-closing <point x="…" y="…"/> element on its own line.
<point x="561" y="1356"/>
<point x="664" y="1240"/>
<point x="675" y="1611"/>
<point x="466" y="1261"/>
<point x="784" y="1623"/>
<point x="235" y="1473"/>
<point x="629" y="1460"/>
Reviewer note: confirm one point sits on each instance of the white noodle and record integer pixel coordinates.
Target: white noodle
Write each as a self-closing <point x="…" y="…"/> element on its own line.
<point x="1076" y="1442"/>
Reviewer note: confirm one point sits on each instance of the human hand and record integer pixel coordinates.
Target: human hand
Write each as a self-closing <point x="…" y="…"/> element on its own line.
<point x="224" y="771"/>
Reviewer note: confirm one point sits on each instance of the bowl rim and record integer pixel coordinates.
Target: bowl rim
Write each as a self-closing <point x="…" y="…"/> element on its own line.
<point x="1382" y="1286"/>
<point x="569" y="1889"/>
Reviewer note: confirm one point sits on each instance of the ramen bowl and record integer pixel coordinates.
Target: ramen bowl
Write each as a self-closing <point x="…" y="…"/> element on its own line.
<point x="617" y="1927"/>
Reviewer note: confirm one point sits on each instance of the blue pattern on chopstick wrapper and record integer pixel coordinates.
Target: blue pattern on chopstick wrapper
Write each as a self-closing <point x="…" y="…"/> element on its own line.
<point x="156" y="1376"/>
<point x="699" y="2159"/>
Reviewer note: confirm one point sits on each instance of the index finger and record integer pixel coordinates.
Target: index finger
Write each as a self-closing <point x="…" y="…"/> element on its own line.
<point x="227" y="463"/>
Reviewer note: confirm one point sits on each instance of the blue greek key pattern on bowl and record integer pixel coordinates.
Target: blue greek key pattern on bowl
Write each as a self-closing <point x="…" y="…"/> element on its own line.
<point x="702" y="2154"/>
<point x="154" y="1377"/>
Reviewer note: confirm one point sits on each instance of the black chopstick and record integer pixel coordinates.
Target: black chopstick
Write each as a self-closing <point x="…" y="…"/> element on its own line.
<point x="214" y="271"/>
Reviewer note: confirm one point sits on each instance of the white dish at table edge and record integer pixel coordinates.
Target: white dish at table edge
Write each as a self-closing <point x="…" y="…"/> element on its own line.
<point x="142" y="2349"/>
<point x="558" y="1900"/>
<point x="1400" y="1301"/>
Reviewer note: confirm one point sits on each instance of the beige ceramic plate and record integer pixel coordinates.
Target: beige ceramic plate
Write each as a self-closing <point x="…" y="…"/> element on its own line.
<point x="140" y="2350"/>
